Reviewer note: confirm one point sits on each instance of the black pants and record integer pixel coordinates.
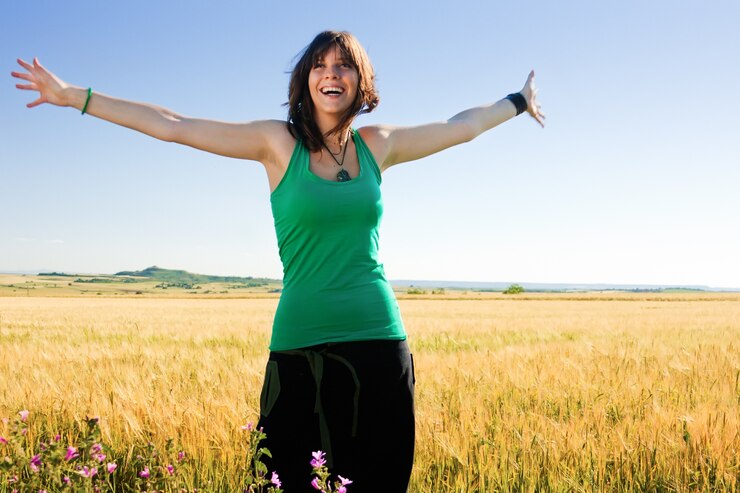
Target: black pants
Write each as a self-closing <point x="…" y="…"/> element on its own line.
<point x="363" y="413"/>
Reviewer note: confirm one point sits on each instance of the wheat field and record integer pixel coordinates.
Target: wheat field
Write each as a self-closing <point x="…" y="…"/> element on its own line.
<point x="587" y="392"/>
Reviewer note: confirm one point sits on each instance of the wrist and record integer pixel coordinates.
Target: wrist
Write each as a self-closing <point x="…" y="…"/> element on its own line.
<point x="519" y="102"/>
<point x="73" y="97"/>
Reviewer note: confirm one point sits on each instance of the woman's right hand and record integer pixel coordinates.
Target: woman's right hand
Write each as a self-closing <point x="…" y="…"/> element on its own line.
<point x="50" y="87"/>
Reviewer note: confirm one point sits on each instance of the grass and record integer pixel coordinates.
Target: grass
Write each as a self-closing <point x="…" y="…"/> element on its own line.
<point x="587" y="392"/>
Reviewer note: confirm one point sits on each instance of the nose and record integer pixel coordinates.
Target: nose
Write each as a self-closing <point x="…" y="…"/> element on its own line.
<point x="332" y="72"/>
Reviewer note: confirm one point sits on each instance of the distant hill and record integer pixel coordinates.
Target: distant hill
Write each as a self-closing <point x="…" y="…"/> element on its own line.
<point x="182" y="276"/>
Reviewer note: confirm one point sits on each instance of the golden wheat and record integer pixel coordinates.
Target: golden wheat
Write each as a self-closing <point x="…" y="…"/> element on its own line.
<point x="597" y="392"/>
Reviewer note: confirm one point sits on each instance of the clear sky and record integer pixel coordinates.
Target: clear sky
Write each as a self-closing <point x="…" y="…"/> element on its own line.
<point x="634" y="180"/>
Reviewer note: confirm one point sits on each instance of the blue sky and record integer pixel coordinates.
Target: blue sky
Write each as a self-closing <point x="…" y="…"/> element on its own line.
<point x="634" y="180"/>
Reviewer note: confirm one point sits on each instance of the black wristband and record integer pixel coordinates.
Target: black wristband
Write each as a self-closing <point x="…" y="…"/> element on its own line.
<point x="519" y="102"/>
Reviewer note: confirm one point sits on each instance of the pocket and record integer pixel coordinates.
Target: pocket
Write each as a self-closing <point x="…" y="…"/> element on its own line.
<point x="270" y="388"/>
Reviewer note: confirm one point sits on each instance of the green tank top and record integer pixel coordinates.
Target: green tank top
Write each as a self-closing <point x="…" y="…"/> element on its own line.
<point x="334" y="287"/>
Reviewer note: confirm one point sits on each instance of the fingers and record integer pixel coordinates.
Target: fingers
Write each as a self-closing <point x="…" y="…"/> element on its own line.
<point x="19" y="75"/>
<point x="31" y="68"/>
<point x="537" y="114"/>
<point x="30" y="77"/>
<point x="25" y="65"/>
<point x="529" y="87"/>
<point x="530" y="79"/>
<point x="27" y="77"/>
<point x="540" y="117"/>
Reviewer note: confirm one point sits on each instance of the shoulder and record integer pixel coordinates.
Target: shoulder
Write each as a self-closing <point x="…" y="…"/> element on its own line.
<point x="279" y="141"/>
<point x="280" y="145"/>
<point x="374" y="133"/>
<point x="277" y="131"/>
<point x="377" y="139"/>
<point x="271" y="130"/>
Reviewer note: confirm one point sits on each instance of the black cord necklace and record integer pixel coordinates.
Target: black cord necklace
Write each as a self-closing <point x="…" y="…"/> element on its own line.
<point x="342" y="175"/>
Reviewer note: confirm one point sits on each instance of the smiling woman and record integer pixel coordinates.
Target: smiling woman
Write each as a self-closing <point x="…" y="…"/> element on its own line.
<point x="339" y="376"/>
<point x="336" y="74"/>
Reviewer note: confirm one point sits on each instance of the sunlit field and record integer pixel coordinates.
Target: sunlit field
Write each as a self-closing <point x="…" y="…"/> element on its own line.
<point x="576" y="392"/>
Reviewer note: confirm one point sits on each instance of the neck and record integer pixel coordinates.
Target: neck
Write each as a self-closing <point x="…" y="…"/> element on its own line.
<point x="335" y="141"/>
<point x="327" y="122"/>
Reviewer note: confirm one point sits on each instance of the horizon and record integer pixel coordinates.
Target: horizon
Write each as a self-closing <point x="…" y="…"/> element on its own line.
<point x="633" y="180"/>
<point x="440" y="283"/>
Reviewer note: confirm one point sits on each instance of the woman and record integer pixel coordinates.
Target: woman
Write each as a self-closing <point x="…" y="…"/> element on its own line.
<point x="339" y="376"/>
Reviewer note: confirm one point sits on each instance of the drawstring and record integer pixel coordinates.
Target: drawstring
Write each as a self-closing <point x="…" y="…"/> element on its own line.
<point x="316" y="364"/>
<point x="356" y="380"/>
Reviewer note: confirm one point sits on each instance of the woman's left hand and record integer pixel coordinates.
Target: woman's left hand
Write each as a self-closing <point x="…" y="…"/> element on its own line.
<point x="530" y="95"/>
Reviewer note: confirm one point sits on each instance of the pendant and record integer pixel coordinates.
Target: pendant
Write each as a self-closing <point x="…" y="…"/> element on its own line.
<point x="343" y="175"/>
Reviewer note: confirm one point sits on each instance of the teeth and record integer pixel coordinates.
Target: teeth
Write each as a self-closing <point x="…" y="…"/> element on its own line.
<point x="332" y="90"/>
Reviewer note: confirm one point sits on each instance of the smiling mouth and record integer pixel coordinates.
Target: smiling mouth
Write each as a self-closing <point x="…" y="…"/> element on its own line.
<point x="332" y="91"/>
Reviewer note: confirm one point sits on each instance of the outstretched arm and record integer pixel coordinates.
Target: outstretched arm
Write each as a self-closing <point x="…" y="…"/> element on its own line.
<point x="393" y="145"/>
<point x="239" y="140"/>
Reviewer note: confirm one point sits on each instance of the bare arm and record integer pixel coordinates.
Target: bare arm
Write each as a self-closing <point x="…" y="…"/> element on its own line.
<point x="239" y="140"/>
<point x="394" y="145"/>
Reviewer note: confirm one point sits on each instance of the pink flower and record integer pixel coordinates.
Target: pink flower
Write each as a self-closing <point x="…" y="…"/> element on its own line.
<point x="248" y="427"/>
<point x="344" y="481"/>
<point x="24" y="415"/>
<point x="145" y="473"/>
<point x="275" y="480"/>
<point x="170" y="469"/>
<point x="35" y="463"/>
<point x="180" y="456"/>
<point x="315" y="483"/>
<point x="71" y="454"/>
<point x="96" y="448"/>
<point x="66" y="480"/>
<point x="57" y="438"/>
<point x="3" y="440"/>
<point x="88" y="472"/>
<point x="112" y="467"/>
<point x="13" y="479"/>
<point x="99" y="457"/>
<point x="318" y="459"/>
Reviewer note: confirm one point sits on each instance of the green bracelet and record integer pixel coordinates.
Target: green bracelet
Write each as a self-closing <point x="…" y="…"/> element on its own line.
<point x="87" y="101"/>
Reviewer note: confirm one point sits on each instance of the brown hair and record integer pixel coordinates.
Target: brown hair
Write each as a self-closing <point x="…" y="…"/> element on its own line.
<point x="301" y="123"/>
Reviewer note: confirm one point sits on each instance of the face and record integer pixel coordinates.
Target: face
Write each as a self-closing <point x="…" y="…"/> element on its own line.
<point x="332" y="83"/>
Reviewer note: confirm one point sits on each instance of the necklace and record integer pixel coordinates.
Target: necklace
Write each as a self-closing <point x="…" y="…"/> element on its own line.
<point x="342" y="175"/>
